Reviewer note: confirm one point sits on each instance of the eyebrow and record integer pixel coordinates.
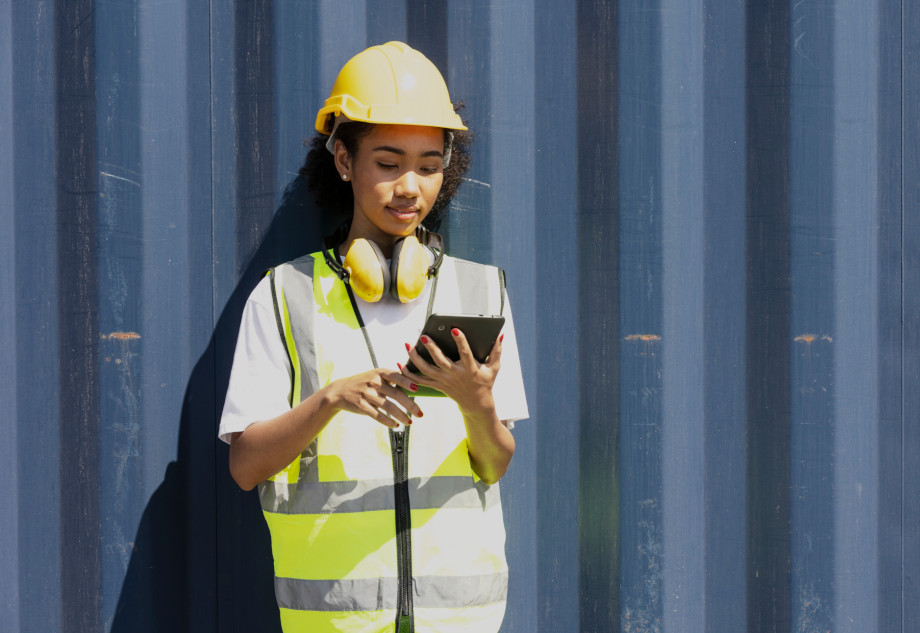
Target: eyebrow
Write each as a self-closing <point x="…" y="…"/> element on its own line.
<point x="396" y="150"/>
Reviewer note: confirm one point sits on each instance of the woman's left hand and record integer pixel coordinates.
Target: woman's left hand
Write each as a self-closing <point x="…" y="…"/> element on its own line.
<point x="467" y="381"/>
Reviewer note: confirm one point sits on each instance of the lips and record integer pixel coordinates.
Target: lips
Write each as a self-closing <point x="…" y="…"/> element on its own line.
<point x="403" y="213"/>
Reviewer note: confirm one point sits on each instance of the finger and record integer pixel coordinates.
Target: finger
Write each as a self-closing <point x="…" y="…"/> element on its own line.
<point x="408" y="373"/>
<point x="373" y="412"/>
<point x="437" y="355"/>
<point x="398" y="378"/>
<point x="463" y="346"/>
<point x="495" y="354"/>
<point x="423" y="367"/>
<point x="390" y="409"/>
<point x="382" y="395"/>
<point x="403" y="400"/>
<point x="423" y="380"/>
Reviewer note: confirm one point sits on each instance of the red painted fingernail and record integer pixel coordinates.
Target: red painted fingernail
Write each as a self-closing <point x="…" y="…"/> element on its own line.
<point x="424" y="340"/>
<point x="408" y="347"/>
<point x="419" y="414"/>
<point x="500" y="338"/>
<point x="399" y="365"/>
<point x="413" y="387"/>
<point x="455" y="332"/>
<point x="409" y="421"/>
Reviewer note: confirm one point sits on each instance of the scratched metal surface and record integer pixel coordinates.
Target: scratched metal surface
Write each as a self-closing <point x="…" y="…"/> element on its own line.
<point x="708" y="215"/>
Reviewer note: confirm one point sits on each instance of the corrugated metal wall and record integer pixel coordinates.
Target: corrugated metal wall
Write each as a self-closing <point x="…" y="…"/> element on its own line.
<point x="708" y="212"/>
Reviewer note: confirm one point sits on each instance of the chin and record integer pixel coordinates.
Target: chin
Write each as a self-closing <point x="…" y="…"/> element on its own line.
<point x="402" y="230"/>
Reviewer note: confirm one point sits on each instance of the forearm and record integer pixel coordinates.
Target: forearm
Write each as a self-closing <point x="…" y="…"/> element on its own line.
<point x="266" y="447"/>
<point x="491" y="444"/>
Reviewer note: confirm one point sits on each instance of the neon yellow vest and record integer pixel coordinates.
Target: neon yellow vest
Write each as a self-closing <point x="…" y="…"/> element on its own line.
<point x="341" y="562"/>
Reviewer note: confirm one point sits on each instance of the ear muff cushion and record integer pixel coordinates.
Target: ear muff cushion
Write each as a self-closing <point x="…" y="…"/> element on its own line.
<point x="409" y="266"/>
<point x="368" y="273"/>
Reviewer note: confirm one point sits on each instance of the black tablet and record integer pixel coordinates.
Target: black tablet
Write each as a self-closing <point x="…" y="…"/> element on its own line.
<point x="481" y="332"/>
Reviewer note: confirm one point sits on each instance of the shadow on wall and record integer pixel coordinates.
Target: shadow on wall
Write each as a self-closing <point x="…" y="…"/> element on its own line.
<point x="202" y="557"/>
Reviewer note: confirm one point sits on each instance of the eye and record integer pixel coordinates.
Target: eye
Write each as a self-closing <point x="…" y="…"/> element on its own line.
<point x="430" y="170"/>
<point x="385" y="165"/>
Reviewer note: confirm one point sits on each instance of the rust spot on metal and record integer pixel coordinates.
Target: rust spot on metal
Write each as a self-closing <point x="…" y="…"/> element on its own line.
<point x="643" y="337"/>
<point x="121" y="336"/>
<point x="811" y="338"/>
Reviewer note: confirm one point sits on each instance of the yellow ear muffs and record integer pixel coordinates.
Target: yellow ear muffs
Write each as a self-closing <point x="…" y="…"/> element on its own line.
<point x="368" y="273"/>
<point x="409" y="269"/>
<point x="404" y="279"/>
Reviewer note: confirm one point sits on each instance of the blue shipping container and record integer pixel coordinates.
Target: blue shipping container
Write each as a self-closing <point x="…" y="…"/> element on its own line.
<point x="709" y="215"/>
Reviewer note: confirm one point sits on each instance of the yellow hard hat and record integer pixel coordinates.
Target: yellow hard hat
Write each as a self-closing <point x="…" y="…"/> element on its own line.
<point x="389" y="83"/>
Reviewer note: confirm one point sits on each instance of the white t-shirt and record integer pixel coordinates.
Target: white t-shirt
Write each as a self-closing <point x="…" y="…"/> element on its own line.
<point x="260" y="379"/>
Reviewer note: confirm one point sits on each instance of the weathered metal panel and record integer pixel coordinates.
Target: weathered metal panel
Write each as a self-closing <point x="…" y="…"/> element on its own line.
<point x="9" y="518"/>
<point x="905" y="187"/>
<point x="555" y="231"/>
<point x="9" y="523"/>
<point x="155" y="315"/>
<point x="707" y="210"/>
<point x="30" y="301"/>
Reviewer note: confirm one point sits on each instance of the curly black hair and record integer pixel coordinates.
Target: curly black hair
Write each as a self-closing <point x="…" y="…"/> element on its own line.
<point x="335" y="195"/>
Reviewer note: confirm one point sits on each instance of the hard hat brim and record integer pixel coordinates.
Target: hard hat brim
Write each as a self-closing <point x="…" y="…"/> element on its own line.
<point x="380" y="114"/>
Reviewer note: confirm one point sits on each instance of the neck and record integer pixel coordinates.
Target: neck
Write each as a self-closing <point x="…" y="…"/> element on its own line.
<point x="384" y="240"/>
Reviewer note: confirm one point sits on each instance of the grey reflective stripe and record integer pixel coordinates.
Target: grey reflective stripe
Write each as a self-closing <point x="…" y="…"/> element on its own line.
<point x="279" y="321"/>
<point x="460" y="591"/>
<point x="309" y="496"/>
<point x="298" y="294"/>
<point x="371" y="594"/>
<point x="375" y="594"/>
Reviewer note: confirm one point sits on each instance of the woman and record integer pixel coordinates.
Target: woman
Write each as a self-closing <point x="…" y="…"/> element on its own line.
<point x="369" y="534"/>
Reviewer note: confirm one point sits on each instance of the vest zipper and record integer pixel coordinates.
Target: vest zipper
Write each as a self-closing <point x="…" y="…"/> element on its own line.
<point x="399" y="442"/>
<point x="399" y="448"/>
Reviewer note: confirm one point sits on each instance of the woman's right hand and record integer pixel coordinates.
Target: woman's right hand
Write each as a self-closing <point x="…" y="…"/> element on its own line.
<point x="376" y="394"/>
<point x="266" y="447"/>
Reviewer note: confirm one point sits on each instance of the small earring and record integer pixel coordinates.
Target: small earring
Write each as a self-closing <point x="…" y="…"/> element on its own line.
<point x="345" y="177"/>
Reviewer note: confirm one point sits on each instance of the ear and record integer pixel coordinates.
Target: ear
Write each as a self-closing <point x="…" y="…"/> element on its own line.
<point x="342" y="158"/>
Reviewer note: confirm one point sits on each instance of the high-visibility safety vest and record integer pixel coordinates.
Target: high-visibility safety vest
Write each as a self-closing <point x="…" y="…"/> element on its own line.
<point x="368" y="535"/>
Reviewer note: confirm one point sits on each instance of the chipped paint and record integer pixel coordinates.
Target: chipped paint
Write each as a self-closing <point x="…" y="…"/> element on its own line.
<point x="642" y="337"/>
<point x="814" y="615"/>
<point x="811" y="338"/>
<point x="121" y="336"/>
<point x="642" y="607"/>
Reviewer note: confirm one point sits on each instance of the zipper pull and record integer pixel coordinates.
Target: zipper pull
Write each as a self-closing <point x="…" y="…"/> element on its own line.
<point x="400" y="439"/>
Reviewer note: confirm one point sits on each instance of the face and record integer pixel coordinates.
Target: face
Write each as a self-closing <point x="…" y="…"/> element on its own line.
<point x="395" y="175"/>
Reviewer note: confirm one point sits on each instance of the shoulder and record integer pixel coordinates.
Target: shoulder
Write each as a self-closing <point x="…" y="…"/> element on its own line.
<point x="459" y="261"/>
<point x="304" y="264"/>
<point x="296" y="275"/>
<point x="466" y="267"/>
<point x="261" y="298"/>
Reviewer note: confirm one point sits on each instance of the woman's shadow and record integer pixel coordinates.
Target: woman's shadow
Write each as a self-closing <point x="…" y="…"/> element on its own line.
<point x="202" y="556"/>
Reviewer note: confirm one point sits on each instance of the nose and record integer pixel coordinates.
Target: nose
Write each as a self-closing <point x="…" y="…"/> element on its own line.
<point x="408" y="185"/>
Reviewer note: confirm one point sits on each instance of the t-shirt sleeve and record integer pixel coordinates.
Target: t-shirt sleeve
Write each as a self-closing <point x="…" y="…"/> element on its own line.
<point x="508" y="390"/>
<point x="260" y="379"/>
